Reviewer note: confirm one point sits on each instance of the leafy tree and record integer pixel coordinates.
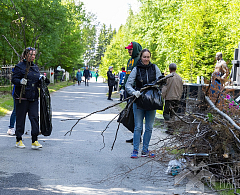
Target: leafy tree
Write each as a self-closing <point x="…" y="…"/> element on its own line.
<point x="104" y="39"/>
<point x="188" y="33"/>
<point x="58" y="29"/>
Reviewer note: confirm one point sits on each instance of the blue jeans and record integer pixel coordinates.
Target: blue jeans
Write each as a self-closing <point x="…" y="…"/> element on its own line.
<point x="139" y="115"/>
<point x="13" y="115"/>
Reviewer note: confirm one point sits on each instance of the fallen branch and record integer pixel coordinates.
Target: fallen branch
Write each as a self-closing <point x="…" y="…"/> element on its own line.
<point x="144" y="88"/>
<point x="221" y="113"/>
<point x="92" y="114"/>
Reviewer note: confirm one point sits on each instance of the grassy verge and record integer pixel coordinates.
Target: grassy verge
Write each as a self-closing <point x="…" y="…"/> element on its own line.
<point x="6" y="101"/>
<point x="225" y="185"/>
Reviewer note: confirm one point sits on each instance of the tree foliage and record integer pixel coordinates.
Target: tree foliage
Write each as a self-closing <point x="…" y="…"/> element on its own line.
<point x="188" y="33"/>
<point x="61" y="31"/>
<point x="104" y="38"/>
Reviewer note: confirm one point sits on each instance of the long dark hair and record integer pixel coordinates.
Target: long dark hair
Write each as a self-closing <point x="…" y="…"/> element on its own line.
<point x="144" y="50"/>
<point x="26" y="51"/>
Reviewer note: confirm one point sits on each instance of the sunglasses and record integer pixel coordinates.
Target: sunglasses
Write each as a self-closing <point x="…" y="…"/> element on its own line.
<point x="30" y="48"/>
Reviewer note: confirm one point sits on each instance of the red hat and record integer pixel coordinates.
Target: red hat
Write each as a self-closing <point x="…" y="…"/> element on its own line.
<point x="130" y="46"/>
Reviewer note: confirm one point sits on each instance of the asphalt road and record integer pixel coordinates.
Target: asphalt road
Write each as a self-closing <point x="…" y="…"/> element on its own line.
<point x="76" y="164"/>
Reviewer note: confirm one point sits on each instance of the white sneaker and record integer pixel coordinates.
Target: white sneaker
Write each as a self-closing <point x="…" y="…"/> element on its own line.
<point x="11" y="131"/>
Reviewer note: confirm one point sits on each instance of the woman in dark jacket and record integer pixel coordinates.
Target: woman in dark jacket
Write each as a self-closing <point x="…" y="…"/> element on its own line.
<point x="26" y="97"/>
<point x="111" y="82"/>
<point x="144" y="73"/>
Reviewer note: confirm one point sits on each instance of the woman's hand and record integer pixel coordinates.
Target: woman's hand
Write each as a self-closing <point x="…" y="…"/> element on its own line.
<point x="137" y="94"/>
<point x="23" y="81"/>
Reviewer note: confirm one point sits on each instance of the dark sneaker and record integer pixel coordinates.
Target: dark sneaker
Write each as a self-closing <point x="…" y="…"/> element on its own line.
<point x="110" y="99"/>
<point x="134" y="154"/>
<point x="169" y="132"/>
<point x="148" y="153"/>
<point x="129" y="140"/>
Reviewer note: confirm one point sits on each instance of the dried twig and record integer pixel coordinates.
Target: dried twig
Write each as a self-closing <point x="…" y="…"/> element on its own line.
<point x="92" y="114"/>
<point x="12" y="47"/>
<point x="144" y="88"/>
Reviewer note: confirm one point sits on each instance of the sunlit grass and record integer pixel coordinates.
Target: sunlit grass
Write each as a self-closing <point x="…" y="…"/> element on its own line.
<point x="6" y="100"/>
<point x="6" y="103"/>
<point x="226" y="185"/>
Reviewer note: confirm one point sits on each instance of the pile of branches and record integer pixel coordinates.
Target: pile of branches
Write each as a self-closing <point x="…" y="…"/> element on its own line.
<point x="207" y="131"/>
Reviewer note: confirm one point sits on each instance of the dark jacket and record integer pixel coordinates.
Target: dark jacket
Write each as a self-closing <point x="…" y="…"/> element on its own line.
<point x="137" y="48"/>
<point x="111" y="78"/>
<point x="146" y="74"/>
<point x="86" y="73"/>
<point x="33" y="82"/>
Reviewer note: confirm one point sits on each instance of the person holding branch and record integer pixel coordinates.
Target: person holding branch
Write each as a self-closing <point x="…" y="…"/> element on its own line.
<point x="144" y="73"/>
<point x="26" y="78"/>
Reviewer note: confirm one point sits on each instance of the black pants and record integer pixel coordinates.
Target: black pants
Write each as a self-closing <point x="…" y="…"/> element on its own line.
<point x="79" y="82"/>
<point x="86" y="81"/>
<point x="167" y="113"/>
<point x="110" y="91"/>
<point x="30" y="107"/>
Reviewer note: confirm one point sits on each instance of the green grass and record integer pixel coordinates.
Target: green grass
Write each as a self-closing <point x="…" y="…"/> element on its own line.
<point x="219" y="186"/>
<point x="6" y="88"/>
<point x="6" y="101"/>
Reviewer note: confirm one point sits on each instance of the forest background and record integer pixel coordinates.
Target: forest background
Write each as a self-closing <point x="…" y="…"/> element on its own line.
<point x="188" y="33"/>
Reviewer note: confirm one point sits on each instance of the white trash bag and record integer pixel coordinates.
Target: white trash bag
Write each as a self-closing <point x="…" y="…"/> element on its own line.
<point x="175" y="166"/>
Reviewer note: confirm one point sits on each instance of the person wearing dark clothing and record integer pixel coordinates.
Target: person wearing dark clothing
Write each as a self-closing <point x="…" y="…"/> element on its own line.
<point x="79" y="77"/>
<point x="26" y="97"/>
<point x="87" y="75"/>
<point x="111" y="82"/>
<point x="121" y="82"/>
<point x="144" y="73"/>
<point x="134" y="50"/>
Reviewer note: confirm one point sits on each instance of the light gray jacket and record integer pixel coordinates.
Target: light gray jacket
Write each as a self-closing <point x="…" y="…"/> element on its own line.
<point x="131" y="79"/>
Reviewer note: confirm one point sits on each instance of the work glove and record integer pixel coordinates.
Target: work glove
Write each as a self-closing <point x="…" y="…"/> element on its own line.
<point x="42" y="76"/>
<point x="137" y="94"/>
<point x="121" y="91"/>
<point x="23" y="81"/>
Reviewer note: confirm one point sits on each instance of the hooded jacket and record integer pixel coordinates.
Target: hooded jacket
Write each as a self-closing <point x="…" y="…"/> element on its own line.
<point x="137" y="48"/>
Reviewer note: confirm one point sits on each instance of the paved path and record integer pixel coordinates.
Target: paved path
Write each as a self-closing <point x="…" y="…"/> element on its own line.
<point x="74" y="164"/>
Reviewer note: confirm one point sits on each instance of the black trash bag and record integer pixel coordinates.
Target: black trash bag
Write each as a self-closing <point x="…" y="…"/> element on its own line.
<point x="150" y="99"/>
<point x="45" y="109"/>
<point x="126" y="117"/>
